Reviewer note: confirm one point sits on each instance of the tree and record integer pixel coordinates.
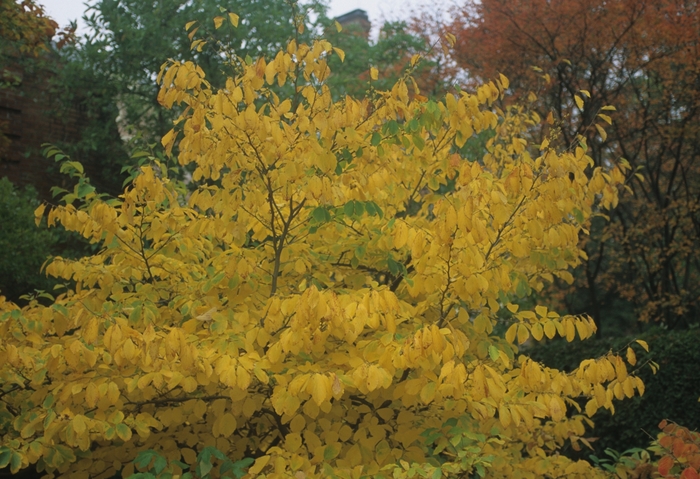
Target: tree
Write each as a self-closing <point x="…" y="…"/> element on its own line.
<point x="26" y="30"/>
<point x="640" y="56"/>
<point x="388" y="55"/>
<point x="25" y="34"/>
<point x="315" y="307"/>
<point x="111" y="71"/>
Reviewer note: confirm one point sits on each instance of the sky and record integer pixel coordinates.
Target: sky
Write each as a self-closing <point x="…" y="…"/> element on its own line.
<point x="63" y="11"/>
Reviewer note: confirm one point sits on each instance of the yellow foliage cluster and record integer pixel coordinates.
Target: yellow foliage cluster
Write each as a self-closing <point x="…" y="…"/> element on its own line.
<point x="336" y="296"/>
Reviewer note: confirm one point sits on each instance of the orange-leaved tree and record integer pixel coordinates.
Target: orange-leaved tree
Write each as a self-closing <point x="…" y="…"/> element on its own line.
<point x="641" y="56"/>
<point x="316" y="303"/>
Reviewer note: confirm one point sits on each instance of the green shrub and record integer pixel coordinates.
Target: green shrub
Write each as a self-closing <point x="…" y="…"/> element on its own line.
<point x="24" y="247"/>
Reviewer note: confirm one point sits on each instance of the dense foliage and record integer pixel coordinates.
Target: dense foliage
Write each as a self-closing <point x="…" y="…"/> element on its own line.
<point x="315" y="303"/>
<point x="23" y="246"/>
<point x="641" y="56"/>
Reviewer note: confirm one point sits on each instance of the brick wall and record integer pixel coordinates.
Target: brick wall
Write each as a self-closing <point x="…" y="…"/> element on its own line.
<point x="29" y="117"/>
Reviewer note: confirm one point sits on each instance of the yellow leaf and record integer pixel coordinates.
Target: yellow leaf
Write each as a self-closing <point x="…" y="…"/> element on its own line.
<point x="188" y="455"/>
<point x="207" y="316"/>
<point x="168" y="138"/>
<point x="218" y="21"/>
<point x="504" y="415"/>
<point x="631" y="357"/>
<point x="570" y="329"/>
<point x="643" y="344"/>
<point x="427" y="393"/>
<point x="79" y="425"/>
<point x="601" y="131"/>
<point x="188" y="25"/>
<point x="537" y="331"/>
<point x="292" y="442"/>
<point x="510" y="334"/>
<point x="605" y="118"/>
<point x="586" y="93"/>
<point x="259" y="464"/>
<point x="39" y="213"/>
<point x="523" y="334"/>
<point x="591" y="407"/>
<point x="640" y="385"/>
<point x="374" y="377"/>
<point x="628" y="387"/>
<point x="579" y="102"/>
<point x="557" y="409"/>
<point x="320" y="389"/>
<point x="233" y="18"/>
<point x="338" y="26"/>
<point x="550" y="329"/>
<point x="374" y="73"/>
<point x="92" y="395"/>
<point x="504" y="81"/>
<point x="339" y="52"/>
<point x="227" y="424"/>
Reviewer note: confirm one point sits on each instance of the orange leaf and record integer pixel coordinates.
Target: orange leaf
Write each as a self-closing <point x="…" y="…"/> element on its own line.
<point x="665" y="465"/>
<point x="689" y="473"/>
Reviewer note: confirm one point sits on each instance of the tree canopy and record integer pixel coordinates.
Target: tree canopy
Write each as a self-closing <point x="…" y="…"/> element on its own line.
<point x="339" y="292"/>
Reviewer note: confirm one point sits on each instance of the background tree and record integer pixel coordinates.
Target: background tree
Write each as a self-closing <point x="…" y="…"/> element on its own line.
<point x="389" y="55"/>
<point x="642" y="57"/>
<point x="295" y="311"/>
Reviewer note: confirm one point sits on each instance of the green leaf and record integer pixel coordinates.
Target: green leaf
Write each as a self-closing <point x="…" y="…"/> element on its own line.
<point x="376" y="138"/>
<point x="359" y="209"/>
<point x="321" y="214"/>
<point x="349" y="208"/>
<point x="5" y="455"/>
<point x="239" y="467"/>
<point x="85" y="189"/>
<point x="123" y="431"/>
<point x="394" y="267"/>
<point x="330" y="452"/>
<point x="15" y="463"/>
<point x="418" y="141"/>
<point x="144" y="458"/>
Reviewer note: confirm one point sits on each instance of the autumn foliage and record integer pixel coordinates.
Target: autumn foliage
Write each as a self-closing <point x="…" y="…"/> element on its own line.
<point x="337" y="293"/>
<point x="679" y="449"/>
<point x="641" y="56"/>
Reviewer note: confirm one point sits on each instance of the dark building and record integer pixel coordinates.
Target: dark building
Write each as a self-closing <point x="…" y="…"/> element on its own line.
<point x="357" y="20"/>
